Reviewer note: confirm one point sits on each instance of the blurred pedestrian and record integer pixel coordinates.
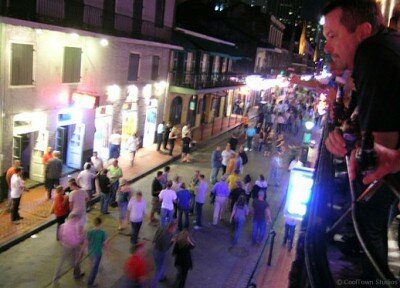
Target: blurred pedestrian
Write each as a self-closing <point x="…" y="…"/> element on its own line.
<point x="53" y="171"/>
<point x="165" y="176"/>
<point x="247" y="186"/>
<point x="261" y="216"/>
<point x="160" y="134"/>
<point x="163" y="240"/>
<point x="167" y="130"/>
<point x="233" y="141"/>
<point x="250" y="132"/>
<point x="96" y="240"/>
<point x="243" y="155"/>
<point x="167" y="198"/>
<point x="71" y="237"/>
<point x="201" y="192"/>
<point x="156" y="188"/>
<point x="97" y="162"/>
<point x="85" y="181"/>
<point x="173" y="135"/>
<point x="77" y="202"/>
<point x="183" y="203"/>
<point x="238" y="217"/>
<point x="275" y="165"/>
<point x="17" y="185"/>
<point x="114" y="147"/>
<point x="262" y="185"/>
<point x="114" y="173"/>
<point x="231" y="164"/>
<point x="136" y="268"/>
<point x="221" y="194"/>
<point x="133" y="144"/>
<point x="186" y="140"/>
<point x="48" y="155"/>
<point x="136" y="214"/>
<point x="233" y="179"/>
<point x="192" y="189"/>
<point x="290" y="230"/>
<point x="60" y="207"/>
<point x="226" y="155"/>
<point x="105" y="191"/>
<point x="123" y="195"/>
<point x="183" y="258"/>
<point x="216" y="164"/>
<point x="236" y="193"/>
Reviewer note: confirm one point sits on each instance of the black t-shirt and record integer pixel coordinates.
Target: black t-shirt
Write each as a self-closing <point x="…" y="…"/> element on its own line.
<point x="377" y="79"/>
<point x="104" y="183"/>
<point x="233" y="142"/>
<point x="156" y="187"/>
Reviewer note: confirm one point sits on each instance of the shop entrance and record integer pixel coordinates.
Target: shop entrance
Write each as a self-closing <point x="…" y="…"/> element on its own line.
<point x="103" y="126"/>
<point x="69" y="141"/>
<point x="22" y="149"/>
<point x="176" y="110"/>
<point x="191" y="117"/>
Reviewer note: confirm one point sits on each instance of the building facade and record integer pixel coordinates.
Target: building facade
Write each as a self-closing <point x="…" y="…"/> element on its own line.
<point x="69" y="79"/>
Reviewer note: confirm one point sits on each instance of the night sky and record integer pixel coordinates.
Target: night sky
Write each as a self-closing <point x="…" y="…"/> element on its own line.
<point x="312" y="9"/>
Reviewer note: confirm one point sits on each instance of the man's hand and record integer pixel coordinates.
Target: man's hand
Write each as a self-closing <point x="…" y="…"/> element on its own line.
<point x="388" y="163"/>
<point x="336" y="144"/>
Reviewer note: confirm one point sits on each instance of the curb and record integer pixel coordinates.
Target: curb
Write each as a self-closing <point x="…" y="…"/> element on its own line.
<point x="15" y="241"/>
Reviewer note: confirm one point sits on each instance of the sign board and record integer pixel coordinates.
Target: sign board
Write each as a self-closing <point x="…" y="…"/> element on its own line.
<point x="299" y="191"/>
<point x="83" y="100"/>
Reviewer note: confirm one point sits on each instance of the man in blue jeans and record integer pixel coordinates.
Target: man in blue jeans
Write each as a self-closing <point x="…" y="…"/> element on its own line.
<point x="261" y="215"/>
<point x="201" y="192"/>
<point x="183" y="201"/>
<point x="163" y="240"/>
<point x="167" y="198"/>
<point x="250" y="132"/>
<point x="105" y="191"/>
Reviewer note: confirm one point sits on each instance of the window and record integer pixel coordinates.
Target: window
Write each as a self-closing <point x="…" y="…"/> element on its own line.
<point x="21" y="64"/>
<point x="154" y="67"/>
<point x="72" y="65"/>
<point x="160" y="10"/>
<point x="133" y="70"/>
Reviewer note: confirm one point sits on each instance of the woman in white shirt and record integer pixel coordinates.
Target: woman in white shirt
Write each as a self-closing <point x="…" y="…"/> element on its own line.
<point x="226" y="155"/>
<point x="263" y="185"/>
<point x="132" y="146"/>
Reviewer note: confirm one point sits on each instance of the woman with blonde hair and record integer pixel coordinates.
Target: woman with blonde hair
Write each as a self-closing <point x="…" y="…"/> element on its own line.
<point x="183" y="257"/>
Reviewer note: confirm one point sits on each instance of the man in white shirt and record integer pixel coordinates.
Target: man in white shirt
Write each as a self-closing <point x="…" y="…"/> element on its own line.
<point x="115" y="145"/>
<point x="201" y="192"/>
<point x="295" y="163"/>
<point x="97" y="162"/>
<point x="167" y="198"/>
<point x="17" y="187"/>
<point x="77" y="202"/>
<point x="160" y="134"/>
<point x="137" y="212"/>
<point x="85" y="180"/>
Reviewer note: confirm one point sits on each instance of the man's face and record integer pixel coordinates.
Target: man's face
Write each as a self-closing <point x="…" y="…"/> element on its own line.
<point x="341" y="44"/>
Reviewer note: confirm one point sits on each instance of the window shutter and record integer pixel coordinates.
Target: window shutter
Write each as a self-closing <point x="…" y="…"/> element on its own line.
<point x="21" y="64"/>
<point x="155" y="67"/>
<point x="72" y="65"/>
<point x="133" y="70"/>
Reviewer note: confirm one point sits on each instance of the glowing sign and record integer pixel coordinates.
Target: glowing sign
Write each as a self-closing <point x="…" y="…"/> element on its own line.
<point x="81" y="100"/>
<point x="299" y="192"/>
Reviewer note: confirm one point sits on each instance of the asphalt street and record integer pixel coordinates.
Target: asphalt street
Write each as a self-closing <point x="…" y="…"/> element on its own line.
<point x="32" y="262"/>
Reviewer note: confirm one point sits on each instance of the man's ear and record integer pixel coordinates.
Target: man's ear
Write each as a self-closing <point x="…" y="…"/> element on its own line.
<point x="363" y="31"/>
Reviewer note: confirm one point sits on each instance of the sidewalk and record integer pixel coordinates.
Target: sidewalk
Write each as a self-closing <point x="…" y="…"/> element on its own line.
<point x="35" y="208"/>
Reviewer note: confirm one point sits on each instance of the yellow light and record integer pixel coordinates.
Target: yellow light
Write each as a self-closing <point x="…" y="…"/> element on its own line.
<point x="113" y="92"/>
<point x="104" y="42"/>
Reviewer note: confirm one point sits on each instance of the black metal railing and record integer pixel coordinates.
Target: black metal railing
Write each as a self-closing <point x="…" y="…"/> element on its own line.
<point x="205" y="80"/>
<point x="78" y="15"/>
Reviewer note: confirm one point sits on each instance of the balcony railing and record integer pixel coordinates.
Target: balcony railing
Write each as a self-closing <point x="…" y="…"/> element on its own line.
<point x="205" y="80"/>
<point x="69" y="13"/>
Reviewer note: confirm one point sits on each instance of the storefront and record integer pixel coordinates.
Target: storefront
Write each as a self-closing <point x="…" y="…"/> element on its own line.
<point x="30" y="141"/>
<point x="129" y="115"/>
<point x="150" y="124"/>
<point x="103" y="126"/>
<point x="191" y="116"/>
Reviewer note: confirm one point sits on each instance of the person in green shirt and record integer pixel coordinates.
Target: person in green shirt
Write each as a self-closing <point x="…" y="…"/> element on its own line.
<point x="114" y="173"/>
<point x="96" y="240"/>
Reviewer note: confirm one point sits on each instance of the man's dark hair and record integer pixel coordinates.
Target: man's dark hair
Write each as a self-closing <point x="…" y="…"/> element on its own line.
<point x="202" y="176"/>
<point x="167" y="168"/>
<point x="18" y="169"/>
<point x="159" y="173"/>
<point x="97" y="221"/>
<point x="169" y="184"/>
<point x="356" y="12"/>
<point x="88" y="166"/>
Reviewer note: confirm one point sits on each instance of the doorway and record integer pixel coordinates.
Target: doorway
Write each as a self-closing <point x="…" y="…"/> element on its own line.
<point x="176" y="110"/>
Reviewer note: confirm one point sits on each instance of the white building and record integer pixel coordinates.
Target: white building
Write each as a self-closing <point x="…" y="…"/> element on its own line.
<point x="68" y="87"/>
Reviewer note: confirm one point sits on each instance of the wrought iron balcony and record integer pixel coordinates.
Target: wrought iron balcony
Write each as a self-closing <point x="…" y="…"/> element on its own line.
<point x="205" y="80"/>
<point x="75" y="14"/>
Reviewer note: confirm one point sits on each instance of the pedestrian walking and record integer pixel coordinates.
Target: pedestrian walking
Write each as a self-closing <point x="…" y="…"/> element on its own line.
<point x="85" y="181"/>
<point x="105" y="191"/>
<point x="156" y="188"/>
<point x="232" y="180"/>
<point x="243" y="155"/>
<point x="290" y="230"/>
<point x="183" y="204"/>
<point x="274" y="169"/>
<point x="132" y="146"/>
<point x="96" y="241"/>
<point x="123" y="195"/>
<point x="167" y="198"/>
<point x="226" y="155"/>
<point x="248" y="187"/>
<point x="236" y="193"/>
<point x="192" y="189"/>
<point x="53" y="171"/>
<point x="160" y="134"/>
<point x="261" y="185"/>
<point x="216" y="164"/>
<point x="231" y="164"/>
<point x="10" y="172"/>
<point x="97" y="162"/>
<point x="114" y="147"/>
<point x="17" y="188"/>
<point x="163" y="240"/>
<point x="173" y="135"/>
<point x="114" y="173"/>
<point x="250" y="132"/>
<point x="136" y="268"/>
<point x="60" y="207"/>
<point x="233" y="141"/>
<point x="136" y="214"/>
<point x="165" y="176"/>
<point x="71" y="237"/>
<point x="201" y="192"/>
<point x="183" y="257"/>
<point x="221" y="192"/>
<point x="77" y="202"/>
<point x="167" y="130"/>
<point x="186" y="140"/>
<point x="261" y="216"/>
<point x="238" y="217"/>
